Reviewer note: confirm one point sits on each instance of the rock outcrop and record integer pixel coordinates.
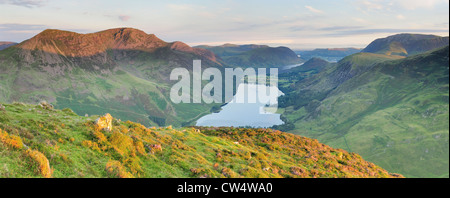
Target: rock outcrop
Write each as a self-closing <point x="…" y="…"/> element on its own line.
<point x="46" y="105"/>
<point x="104" y="122"/>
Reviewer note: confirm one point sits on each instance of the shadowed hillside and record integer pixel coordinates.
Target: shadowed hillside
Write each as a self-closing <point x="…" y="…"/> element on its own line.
<point x="254" y="55"/>
<point x="123" y="71"/>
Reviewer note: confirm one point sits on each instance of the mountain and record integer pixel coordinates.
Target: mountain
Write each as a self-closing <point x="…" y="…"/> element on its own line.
<point x="329" y="54"/>
<point x="406" y="44"/>
<point x="4" y="45"/>
<point x="295" y="74"/>
<point x="254" y="55"/>
<point x="103" y="48"/>
<point x="391" y="110"/>
<point x="123" y="71"/>
<point x="313" y="64"/>
<point x="39" y="141"/>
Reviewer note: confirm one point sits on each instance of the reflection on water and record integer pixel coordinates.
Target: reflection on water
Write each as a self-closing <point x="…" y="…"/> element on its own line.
<point x="248" y="108"/>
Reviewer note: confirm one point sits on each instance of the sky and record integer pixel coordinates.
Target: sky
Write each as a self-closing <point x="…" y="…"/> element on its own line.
<point x="298" y="24"/>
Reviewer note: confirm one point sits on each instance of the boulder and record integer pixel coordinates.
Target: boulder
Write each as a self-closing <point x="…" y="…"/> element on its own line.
<point x="104" y="122"/>
<point x="46" y="105"/>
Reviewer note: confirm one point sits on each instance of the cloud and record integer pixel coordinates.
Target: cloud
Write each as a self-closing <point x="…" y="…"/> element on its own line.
<point x="314" y="10"/>
<point x="21" y="27"/>
<point x="415" y="4"/>
<point x="124" y="17"/>
<point x="401" y="17"/>
<point x="25" y="3"/>
<point x="359" y="20"/>
<point x="371" y="5"/>
<point x="18" y="32"/>
<point x="180" y="7"/>
<point x="390" y="5"/>
<point x="339" y="28"/>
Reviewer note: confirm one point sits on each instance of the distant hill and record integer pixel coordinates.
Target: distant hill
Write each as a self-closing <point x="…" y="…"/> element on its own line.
<point x="37" y="141"/>
<point x="124" y="71"/>
<point x="329" y="54"/>
<point x="313" y="64"/>
<point x="406" y="44"/>
<point x="254" y="55"/>
<point x="295" y="74"/>
<point x="4" y="45"/>
<point x="392" y="110"/>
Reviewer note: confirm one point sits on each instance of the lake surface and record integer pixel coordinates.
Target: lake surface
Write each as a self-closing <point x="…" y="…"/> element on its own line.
<point x="242" y="111"/>
<point x="288" y="67"/>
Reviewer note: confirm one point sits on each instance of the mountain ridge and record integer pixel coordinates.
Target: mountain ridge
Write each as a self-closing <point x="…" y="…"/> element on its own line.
<point x="6" y="44"/>
<point x="255" y="56"/>
<point x="72" y="44"/>
<point x="406" y="44"/>
<point x="376" y="105"/>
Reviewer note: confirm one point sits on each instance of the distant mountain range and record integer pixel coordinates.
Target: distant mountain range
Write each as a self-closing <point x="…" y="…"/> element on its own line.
<point x="390" y="109"/>
<point x="4" y="45"/>
<point x="254" y="55"/>
<point x="314" y="64"/>
<point x="329" y="54"/>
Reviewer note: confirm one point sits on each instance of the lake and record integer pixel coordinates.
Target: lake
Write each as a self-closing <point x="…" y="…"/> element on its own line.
<point x="240" y="112"/>
<point x="288" y="67"/>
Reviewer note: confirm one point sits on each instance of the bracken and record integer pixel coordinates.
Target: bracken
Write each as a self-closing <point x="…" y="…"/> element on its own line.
<point x="115" y="169"/>
<point x="11" y="141"/>
<point x="41" y="161"/>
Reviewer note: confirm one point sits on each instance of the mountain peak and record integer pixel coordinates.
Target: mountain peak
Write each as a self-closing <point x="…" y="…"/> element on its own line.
<point x="75" y="44"/>
<point x="54" y="46"/>
<point x="406" y="44"/>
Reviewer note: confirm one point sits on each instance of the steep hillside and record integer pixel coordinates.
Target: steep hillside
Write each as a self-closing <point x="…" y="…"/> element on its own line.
<point x="406" y="44"/>
<point x="38" y="141"/>
<point x="288" y="78"/>
<point x="4" y="45"/>
<point x="313" y="64"/>
<point x="392" y="112"/>
<point x="122" y="71"/>
<point x="317" y="87"/>
<point x="254" y="55"/>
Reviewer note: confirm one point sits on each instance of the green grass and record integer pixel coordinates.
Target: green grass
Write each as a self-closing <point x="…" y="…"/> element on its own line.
<point x="394" y="114"/>
<point x="75" y="148"/>
<point x="123" y="93"/>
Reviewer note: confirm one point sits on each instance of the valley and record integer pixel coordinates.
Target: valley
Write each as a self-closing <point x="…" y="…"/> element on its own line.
<point x="391" y="109"/>
<point x="387" y="102"/>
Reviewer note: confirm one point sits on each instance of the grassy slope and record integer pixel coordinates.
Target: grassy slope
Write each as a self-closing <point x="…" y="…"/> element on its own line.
<point x="131" y="91"/>
<point x="74" y="147"/>
<point x="395" y="115"/>
<point x="406" y="44"/>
